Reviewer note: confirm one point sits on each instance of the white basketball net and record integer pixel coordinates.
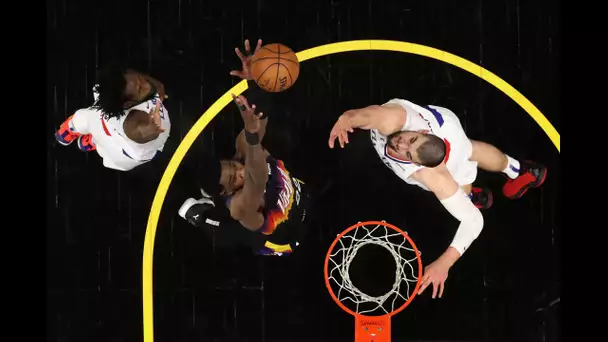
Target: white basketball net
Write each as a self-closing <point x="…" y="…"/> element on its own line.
<point x="345" y="251"/>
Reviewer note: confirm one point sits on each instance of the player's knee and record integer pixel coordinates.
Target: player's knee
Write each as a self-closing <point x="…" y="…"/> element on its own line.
<point x="80" y="120"/>
<point x="486" y="154"/>
<point x="476" y="147"/>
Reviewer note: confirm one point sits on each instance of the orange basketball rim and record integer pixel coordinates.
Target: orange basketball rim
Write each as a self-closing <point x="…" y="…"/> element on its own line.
<point x="373" y="314"/>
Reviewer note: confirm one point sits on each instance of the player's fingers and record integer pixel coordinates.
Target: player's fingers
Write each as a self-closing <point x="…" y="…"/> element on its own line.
<point x="239" y="103"/>
<point x="244" y="101"/>
<point x="239" y="53"/>
<point x="236" y="73"/>
<point x="342" y="139"/>
<point x="259" y="46"/>
<point x="332" y="139"/>
<point x="345" y="133"/>
<point x="422" y="288"/>
<point x="247" y="46"/>
<point x="425" y="282"/>
<point x="153" y="115"/>
<point x="441" y="286"/>
<point x="435" y="288"/>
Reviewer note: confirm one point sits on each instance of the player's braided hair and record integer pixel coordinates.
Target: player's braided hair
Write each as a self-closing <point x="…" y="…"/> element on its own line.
<point x="111" y="84"/>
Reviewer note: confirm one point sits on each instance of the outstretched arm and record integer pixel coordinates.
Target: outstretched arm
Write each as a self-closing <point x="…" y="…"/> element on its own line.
<point x="452" y="197"/>
<point x="245" y="204"/>
<point x="257" y="96"/>
<point x="386" y="119"/>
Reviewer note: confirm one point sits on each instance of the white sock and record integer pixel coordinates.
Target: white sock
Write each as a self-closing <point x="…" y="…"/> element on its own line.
<point x="512" y="169"/>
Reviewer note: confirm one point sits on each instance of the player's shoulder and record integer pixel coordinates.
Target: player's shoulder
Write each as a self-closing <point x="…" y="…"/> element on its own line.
<point x="388" y="118"/>
<point x="400" y="103"/>
<point x="394" y="108"/>
<point x="394" y="102"/>
<point x="430" y="174"/>
<point x="136" y="118"/>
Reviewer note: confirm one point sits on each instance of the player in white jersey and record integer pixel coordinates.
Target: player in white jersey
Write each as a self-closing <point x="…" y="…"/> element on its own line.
<point x="427" y="147"/>
<point x="128" y="125"/>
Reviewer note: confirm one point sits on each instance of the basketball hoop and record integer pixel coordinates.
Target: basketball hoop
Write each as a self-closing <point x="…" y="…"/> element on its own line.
<point x="373" y="314"/>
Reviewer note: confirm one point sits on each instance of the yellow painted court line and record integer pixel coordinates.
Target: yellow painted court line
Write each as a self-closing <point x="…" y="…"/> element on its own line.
<point x="323" y="50"/>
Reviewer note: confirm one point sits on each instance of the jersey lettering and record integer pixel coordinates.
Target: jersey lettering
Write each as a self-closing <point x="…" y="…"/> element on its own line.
<point x="286" y="194"/>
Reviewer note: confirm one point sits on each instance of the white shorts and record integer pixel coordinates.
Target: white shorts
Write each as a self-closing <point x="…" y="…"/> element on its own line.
<point x="88" y="121"/>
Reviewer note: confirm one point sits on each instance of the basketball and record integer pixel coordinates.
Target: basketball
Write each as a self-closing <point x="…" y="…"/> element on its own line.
<point x="275" y="67"/>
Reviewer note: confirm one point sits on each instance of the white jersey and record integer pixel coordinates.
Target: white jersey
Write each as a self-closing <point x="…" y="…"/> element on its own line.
<point x="114" y="127"/>
<point x="440" y="122"/>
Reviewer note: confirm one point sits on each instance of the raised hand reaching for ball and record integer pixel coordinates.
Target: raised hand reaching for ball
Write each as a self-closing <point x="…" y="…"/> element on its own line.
<point x="246" y="58"/>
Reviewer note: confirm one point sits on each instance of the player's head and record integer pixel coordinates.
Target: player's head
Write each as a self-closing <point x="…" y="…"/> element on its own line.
<point x="232" y="176"/>
<point x="119" y="89"/>
<point x="222" y="177"/>
<point x="417" y="146"/>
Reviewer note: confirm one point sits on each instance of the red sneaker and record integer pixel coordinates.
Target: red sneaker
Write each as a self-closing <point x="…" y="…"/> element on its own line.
<point x="482" y="197"/>
<point x="86" y="144"/>
<point x="66" y="135"/>
<point x="531" y="175"/>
